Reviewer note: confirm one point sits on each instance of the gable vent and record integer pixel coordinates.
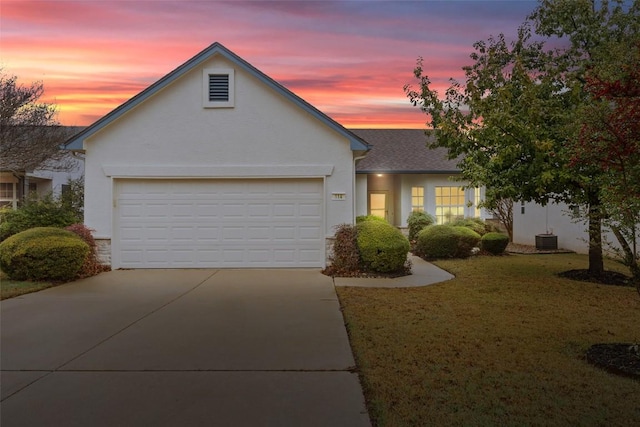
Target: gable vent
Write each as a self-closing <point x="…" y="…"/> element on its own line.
<point x="218" y="88"/>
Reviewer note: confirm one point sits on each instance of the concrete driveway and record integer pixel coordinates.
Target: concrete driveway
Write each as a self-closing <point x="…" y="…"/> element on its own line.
<point x="180" y="347"/>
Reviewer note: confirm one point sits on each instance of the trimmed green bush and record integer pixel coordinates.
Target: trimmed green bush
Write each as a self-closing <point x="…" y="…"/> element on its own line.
<point x="43" y="253"/>
<point x="382" y="246"/>
<point x="475" y="224"/>
<point x="362" y="218"/>
<point x="47" y="212"/>
<point x="495" y="243"/>
<point x="417" y="221"/>
<point x="446" y="241"/>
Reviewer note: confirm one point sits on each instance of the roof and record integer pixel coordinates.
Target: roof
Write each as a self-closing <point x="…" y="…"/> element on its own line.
<point x="76" y="142"/>
<point x="403" y="151"/>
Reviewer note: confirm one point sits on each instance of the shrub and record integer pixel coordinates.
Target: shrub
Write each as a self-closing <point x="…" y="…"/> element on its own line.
<point x="47" y="212"/>
<point x="417" y="221"/>
<point x="475" y="224"/>
<point x="91" y="265"/>
<point x="382" y="247"/>
<point x="446" y="241"/>
<point x="345" y="260"/>
<point x="43" y="253"/>
<point x="495" y="243"/>
<point x="363" y="218"/>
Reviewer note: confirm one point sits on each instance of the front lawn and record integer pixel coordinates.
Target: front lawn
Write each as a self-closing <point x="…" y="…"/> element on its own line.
<point x="501" y="344"/>
<point x="12" y="288"/>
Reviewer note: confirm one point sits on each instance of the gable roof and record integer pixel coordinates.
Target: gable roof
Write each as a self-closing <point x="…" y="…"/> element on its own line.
<point x="75" y="143"/>
<point x="403" y="151"/>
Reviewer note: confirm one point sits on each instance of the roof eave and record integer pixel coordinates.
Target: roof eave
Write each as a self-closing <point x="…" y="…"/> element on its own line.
<point x="76" y="142"/>
<point x="423" y="172"/>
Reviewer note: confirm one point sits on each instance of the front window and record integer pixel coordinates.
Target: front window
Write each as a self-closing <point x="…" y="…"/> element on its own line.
<point x="450" y="204"/>
<point x="8" y="194"/>
<point x="417" y="199"/>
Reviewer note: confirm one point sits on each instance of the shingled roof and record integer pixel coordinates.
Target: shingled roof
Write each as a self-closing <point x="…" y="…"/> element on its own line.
<point x="403" y="151"/>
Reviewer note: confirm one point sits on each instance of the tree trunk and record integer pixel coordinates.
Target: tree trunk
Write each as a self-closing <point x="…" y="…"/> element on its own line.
<point x="629" y="259"/>
<point x="596" y="262"/>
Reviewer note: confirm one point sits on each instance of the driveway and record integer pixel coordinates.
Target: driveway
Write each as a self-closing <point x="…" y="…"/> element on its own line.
<point x="180" y="347"/>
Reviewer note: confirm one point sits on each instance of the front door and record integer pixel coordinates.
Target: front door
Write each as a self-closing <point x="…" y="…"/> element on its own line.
<point x="378" y="205"/>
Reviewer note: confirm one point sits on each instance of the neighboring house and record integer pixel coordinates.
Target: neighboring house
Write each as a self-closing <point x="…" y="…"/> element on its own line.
<point x="531" y="219"/>
<point x="217" y="165"/>
<point x="400" y="175"/>
<point x="50" y="179"/>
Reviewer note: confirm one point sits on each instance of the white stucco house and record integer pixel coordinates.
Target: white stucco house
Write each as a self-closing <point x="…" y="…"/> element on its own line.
<point x="218" y="165"/>
<point x="559" y="219"/>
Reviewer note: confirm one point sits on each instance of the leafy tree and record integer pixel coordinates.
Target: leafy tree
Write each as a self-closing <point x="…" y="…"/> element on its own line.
<point x="30" y="136"/>
<point x="609" y="141"/>
<point x="518" y="115"/>
<point x="72" y="199"/>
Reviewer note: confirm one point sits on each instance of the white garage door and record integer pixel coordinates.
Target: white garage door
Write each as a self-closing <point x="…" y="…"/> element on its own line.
<point x="219" y="223"/>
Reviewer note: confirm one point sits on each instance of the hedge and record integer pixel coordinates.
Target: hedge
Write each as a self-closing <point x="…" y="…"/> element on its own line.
<point x="382" y="246"/>
<point x="43" y="253"/>
<point x="446" y="241"/>
<point x="495" y="243"/>
<point x="363" y="218"/>
<point x="418" y="220"/>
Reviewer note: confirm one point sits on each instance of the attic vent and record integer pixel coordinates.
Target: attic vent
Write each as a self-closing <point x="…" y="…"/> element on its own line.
<point x="218" y="85"/>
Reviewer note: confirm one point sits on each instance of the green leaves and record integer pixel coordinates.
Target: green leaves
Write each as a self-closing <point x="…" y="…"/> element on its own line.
<point x="527" y="120"/>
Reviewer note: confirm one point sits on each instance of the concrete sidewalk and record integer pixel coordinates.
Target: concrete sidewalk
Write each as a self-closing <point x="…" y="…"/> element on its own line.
<point x="180" y="347"/>
<point x="423" y="274"/>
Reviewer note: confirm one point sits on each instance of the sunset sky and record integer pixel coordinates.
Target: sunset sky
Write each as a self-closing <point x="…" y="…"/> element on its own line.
<point x="350" y="59"/>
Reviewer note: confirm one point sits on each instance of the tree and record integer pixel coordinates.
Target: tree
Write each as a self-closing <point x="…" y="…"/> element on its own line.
<point x="30" y="136"/>
<point x="609" y="141"/>
<point x="518" y="115"/>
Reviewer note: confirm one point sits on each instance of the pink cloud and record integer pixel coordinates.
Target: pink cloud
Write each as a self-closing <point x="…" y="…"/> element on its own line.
<point x="350" y="59"/>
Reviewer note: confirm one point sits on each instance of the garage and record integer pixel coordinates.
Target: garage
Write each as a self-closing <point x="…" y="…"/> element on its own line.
<point x="218" y="223"/>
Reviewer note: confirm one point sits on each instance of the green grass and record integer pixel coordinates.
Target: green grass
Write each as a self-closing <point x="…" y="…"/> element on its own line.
<point x="13" y="288"/>
<point x="501" y="344"/>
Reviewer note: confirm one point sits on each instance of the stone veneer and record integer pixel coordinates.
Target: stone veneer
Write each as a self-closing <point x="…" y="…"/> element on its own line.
<point x="103" y="249"/>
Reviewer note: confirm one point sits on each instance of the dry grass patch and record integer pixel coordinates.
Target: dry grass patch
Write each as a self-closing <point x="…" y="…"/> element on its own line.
<point x="502" y="344"/>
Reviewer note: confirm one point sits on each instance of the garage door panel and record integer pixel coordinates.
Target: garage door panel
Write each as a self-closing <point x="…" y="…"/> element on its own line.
<point x="310" y="210"/>
<point x="309" y="233"/>
<point x="220" y="223"/>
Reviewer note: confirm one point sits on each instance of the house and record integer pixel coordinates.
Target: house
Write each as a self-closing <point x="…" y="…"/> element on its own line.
<point x="567" y="223"/>
<point x="217" y="165"/>
<point x="53" y="178"/>
<point x="400" y="175"/>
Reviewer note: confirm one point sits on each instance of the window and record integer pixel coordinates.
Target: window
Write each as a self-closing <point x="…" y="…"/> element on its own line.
<point x="477" y="200"/>
<point x="450" y="204"/>
<point x="417" y="199"/>
<point x="6" y="190"/>
<point x="8" y="195"/>
<point x="218" y="85"/>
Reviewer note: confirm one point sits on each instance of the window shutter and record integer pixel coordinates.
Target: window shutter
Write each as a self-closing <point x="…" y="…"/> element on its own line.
<point x="218" y="87"/>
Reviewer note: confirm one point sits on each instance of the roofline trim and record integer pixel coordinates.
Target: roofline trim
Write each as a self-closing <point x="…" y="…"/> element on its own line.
<point x="76" y="142"/>
<point x="432" y="172"/>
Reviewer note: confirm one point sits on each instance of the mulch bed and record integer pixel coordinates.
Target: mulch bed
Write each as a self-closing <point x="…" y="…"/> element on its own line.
<point x="606" y="278"/>
<point x="617" y="358"/>
<point x="517" y="248"/>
